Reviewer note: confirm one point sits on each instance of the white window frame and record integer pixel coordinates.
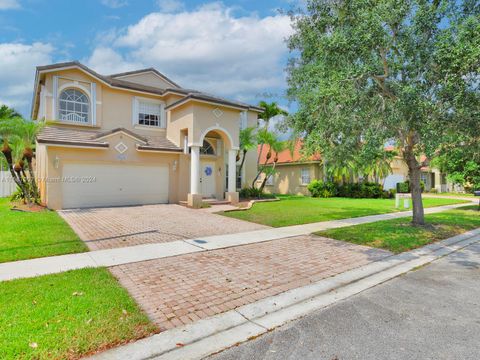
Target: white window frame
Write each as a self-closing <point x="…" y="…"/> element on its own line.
<point x="270" y="179"/>
<point x="304" y="175"/>
<point x="162" y="124"/>
<point x="74" y="115"/>
<point x="243" y="120"/>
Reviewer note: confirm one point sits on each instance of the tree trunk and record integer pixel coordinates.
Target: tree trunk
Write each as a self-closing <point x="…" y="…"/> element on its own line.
<point x="243" y="162"/>
<point x="33" y="182"/>
<point x="7" y="152"/>
<point x="414" y="171"/>
<point x="264" y="182"/>
<point x="22" y="186"/>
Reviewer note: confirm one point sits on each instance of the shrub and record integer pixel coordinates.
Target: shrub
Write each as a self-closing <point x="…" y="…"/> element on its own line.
<point x="254" y="193"/>
<point x="433" y="191"/>
<point x="367" y="190"/>
<point x="17" y="195"/>
<point x="322" y="189"/>
<point x="404" y="188"/>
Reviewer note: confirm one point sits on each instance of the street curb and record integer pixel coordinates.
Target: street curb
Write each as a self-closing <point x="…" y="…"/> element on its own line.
<point x="214" y="334"/>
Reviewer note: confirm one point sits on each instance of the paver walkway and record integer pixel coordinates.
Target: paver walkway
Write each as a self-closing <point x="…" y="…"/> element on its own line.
<point x="180" y="290"/>
<point x="126" y="255"/>
<point x="108" y="228"/>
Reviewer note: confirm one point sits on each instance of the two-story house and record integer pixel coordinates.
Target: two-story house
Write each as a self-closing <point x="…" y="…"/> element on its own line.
<point x="134" y="138"/>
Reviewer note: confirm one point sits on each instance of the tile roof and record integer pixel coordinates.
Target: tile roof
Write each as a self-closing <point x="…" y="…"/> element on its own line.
<point x="62" y="135"/>
<point x="113" y="80"/>
<point x="286" y="156"/>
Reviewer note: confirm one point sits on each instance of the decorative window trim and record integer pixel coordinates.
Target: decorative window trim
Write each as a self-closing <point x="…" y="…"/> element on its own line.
<point x="162" y="123"/>
<point x="305" y="177"/>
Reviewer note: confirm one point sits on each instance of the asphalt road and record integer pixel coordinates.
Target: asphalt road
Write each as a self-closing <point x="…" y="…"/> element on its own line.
<point x="430" y="313"/>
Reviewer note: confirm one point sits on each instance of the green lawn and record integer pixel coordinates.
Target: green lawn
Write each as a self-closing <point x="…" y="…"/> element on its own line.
<point x="31" y="235"/>
<point x="65" y="316"/>
<point x="294" y="210"/>
<point x="399" y="235"/>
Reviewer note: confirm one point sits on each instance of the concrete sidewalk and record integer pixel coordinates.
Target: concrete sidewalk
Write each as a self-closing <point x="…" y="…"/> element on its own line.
<point x="132" y="254"/>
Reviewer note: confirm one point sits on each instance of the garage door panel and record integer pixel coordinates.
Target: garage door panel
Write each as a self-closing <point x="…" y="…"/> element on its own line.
<point x="114" y="185"/>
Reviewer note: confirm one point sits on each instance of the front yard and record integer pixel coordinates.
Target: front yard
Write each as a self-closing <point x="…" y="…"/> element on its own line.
<point x="399" y="235"/>
<point x="67" y="315"/>
<point x="295" y="210"/>
<point x="32" y="235"/>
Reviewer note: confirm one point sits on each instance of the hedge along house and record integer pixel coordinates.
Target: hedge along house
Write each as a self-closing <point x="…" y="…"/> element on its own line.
<point x="134" y="138"/>
<point x="294" y="172"/>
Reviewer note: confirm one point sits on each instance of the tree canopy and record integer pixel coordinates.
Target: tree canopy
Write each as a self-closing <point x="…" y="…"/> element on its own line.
<point x="367" y="72"/>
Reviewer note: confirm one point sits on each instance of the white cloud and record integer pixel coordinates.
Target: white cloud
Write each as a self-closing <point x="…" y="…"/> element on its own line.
<point x="9" y="4"/>
<point x="207" y="49"/>
<point x="114" y="4"/>
<point x="17" y="72"/>
<point x="107" y="61"/>
<point x="170" y="6"/>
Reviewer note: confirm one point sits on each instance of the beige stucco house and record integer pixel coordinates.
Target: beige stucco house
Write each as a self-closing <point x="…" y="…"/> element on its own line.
<point x="134" y="138"/>
<point x="293" y="173"/>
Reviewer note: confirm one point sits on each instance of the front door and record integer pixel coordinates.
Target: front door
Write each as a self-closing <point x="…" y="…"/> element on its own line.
<point x="207" y="179"/>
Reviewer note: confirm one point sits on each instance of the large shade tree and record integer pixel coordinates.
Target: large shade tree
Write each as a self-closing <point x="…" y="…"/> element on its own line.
<point x="366" y="72"/>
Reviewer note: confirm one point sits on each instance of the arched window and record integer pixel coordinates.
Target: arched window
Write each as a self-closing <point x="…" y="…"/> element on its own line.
<point x="207" y="148"/>
<point x="74" y="106"/>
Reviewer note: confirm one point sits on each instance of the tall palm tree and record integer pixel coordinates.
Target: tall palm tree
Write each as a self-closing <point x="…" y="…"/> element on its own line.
<point x="275" y="146"/>
<point x="270" y="111"/>
<point x="248" y="142"/>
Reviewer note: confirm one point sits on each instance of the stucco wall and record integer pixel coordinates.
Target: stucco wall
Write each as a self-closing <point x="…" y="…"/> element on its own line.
<point x="288" y="179"/>
<point x="148" y="79"/>
<point x="54" y="196"/>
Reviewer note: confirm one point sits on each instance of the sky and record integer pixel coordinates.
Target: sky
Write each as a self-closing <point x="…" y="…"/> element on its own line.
<point x="234" y="49"/>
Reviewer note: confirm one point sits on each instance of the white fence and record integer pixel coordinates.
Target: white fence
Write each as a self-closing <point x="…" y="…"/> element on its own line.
<point x="7" y="185"/>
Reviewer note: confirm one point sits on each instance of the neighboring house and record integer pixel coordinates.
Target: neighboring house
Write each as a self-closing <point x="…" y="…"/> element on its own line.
<point x="134" y="138"/>
<point x="294" y="172"/>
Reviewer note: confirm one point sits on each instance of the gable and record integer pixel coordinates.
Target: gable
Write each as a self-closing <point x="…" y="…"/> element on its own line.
<point x="148" y="79"/>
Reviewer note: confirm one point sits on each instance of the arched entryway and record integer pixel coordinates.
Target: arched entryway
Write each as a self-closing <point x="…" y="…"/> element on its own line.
<point x="214" y="150"/>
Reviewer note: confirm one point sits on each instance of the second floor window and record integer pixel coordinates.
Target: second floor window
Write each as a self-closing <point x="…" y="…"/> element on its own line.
<point x="74" y="106"/>
<point x="150" y="114"/>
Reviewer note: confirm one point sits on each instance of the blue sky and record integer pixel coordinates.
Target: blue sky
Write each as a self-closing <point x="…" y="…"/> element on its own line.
<point x="230" y="48"/>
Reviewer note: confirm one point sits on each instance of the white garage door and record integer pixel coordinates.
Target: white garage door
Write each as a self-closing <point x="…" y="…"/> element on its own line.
<point x="94" y="185"/>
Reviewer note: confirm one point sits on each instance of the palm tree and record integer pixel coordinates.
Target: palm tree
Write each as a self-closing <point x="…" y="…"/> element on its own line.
<point x="381" y="166"/>
<point x="275" y="145"/>
<point x="248" y="142"/>
<point x="18" y="137"/>
<point x="270" y="111"/>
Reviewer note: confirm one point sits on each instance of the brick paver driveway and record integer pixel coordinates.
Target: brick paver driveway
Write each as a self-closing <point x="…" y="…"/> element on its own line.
<point x="182" y="289"/>
<point x="106" y="228"/>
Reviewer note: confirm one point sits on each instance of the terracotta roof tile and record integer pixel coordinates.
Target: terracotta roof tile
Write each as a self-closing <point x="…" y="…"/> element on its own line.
<point x="286" y="156"/>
